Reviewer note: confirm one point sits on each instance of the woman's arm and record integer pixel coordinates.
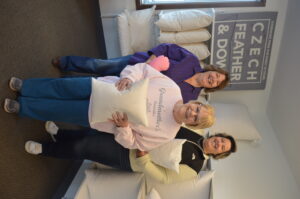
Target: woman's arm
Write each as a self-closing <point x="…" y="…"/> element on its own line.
<point x="134" y="72"/>
<point x="162" y="174"/>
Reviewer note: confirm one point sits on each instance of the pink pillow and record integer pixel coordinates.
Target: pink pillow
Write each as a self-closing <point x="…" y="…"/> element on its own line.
<point x="160" y="63"/>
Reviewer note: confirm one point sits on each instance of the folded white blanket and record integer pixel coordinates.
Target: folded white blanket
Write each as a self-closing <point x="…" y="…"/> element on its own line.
<point x="185" y="37"/>
<point x="198" y="49"/>
<point x="183" y="20"/>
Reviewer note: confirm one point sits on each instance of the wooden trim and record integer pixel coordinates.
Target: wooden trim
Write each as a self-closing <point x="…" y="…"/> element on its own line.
<point x="260" y="3"/>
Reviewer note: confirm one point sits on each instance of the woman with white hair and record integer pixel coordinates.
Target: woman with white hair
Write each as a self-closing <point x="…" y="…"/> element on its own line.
<point x="69" y="100"/>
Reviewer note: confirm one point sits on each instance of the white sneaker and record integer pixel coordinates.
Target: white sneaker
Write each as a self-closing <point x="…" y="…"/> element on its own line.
<point x="32" y="147"/>
<point x="52" y="129"/>
<point x="11" y="106"/>
<point x="15" y="84"/>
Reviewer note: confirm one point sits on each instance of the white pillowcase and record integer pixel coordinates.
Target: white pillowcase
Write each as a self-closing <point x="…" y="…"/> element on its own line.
<point x="235" y="120"/>
<point x="141" y="28"/>
<point x="198" y="49"/>
<point x="192" y="189"/>
<point x="124" y="34"/>
<point x="112" y="183"/>
<point x="168" y="155"/>
<point x="186" y="37"/>
<point x="106" y="99"/>
<point x="153" y="194"/>
<point x="183" y="20"/>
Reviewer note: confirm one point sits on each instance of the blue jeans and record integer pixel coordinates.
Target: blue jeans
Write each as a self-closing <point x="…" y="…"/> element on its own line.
<point x="101" y="67"/>
<point x="88" y="144"/>
<point x="56" y="99"/>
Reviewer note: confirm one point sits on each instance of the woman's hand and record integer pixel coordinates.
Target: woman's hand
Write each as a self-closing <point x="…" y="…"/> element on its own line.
<point x="140" y="153"/>
<point x="124" y="83"/>
<point x="120" y="119"/>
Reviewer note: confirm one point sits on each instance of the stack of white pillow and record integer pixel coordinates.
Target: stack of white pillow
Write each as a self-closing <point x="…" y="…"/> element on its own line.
<point x="186" y="28"/>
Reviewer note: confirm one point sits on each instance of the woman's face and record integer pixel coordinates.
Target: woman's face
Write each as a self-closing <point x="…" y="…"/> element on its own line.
<point x="211" y="79"/>
<point x="191" y="113"/>
<point x="216" y="145"/>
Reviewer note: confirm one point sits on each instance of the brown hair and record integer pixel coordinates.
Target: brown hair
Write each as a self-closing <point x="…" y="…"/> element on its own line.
<point x="233" y="147"/>
<point x="223" y="84"/>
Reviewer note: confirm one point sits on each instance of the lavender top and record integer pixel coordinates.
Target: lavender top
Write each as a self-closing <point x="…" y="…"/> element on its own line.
<point x="183" y="65"/>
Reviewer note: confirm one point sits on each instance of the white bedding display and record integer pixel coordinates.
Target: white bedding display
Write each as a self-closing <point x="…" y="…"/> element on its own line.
<point x="185" y="37"/>
<point x="110" y="184"/>
<point x="183" y="20"/>
<point x="199" y="49"/>
<point x="113" y="184"/>
<point x="186" y="28"/>
<point x="136" y="30"/>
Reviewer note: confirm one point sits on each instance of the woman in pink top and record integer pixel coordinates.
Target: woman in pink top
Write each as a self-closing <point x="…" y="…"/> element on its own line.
<point x="68" y="100"/>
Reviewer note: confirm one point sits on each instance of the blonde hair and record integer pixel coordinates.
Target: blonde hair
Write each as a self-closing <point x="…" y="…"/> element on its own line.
<point x="208" y="120"/>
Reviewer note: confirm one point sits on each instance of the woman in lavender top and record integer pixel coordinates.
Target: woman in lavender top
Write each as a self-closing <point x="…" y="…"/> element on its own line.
<point x="184" y="68"/>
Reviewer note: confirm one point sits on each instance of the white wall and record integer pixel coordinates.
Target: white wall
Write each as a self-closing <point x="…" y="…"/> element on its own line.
<point x="284" y="103"/>
<point x="258" y="170"/>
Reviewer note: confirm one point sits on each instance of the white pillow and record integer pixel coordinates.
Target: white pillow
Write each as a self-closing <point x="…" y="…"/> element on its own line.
<point x="168" y="155"/>
<point x="199" y="49"/>
<point x="106" y="99"/>
<point x="112" y="183"/>
<point x="193" y="36"/>
<point x="192" y="189"/>
<point x="124" y="34"/>
<point x="234" y="119"/>
<point x="183" y="20"/>
<point x="153" y="194"/>
<point x="141" y="28"/>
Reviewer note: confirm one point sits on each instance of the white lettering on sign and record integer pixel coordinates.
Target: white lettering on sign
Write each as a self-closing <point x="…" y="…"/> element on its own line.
<point x="259" y="26"/>
<point x="222" y="52"/>
<point x="251" y="75"/>
<point x="238" y="52"/>
<point x="254" y="51"/>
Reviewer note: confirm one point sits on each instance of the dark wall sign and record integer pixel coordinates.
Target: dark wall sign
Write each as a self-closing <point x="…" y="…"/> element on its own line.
<point x="242" y="45"/>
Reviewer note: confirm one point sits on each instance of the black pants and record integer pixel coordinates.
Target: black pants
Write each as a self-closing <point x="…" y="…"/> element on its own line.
<point x="88" y="144"/>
